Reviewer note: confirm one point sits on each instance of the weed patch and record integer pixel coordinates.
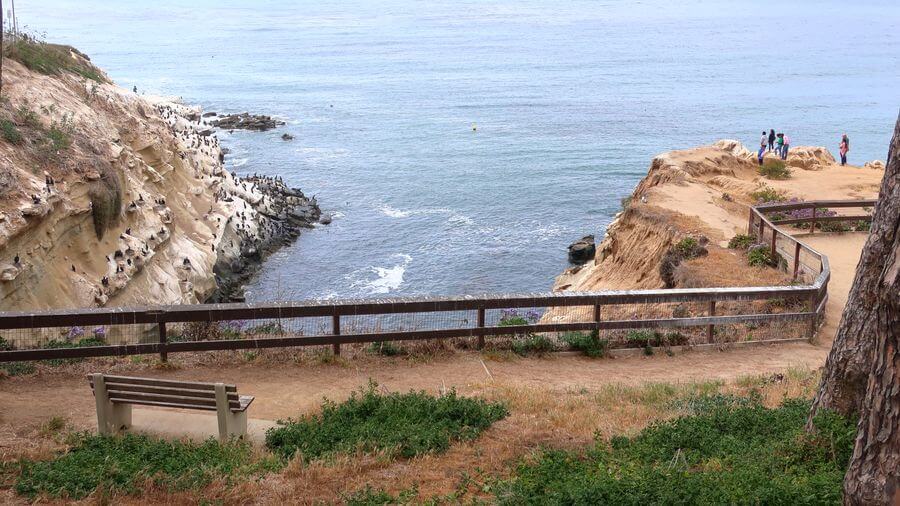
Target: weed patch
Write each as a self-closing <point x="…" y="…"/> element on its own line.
<point x="725" y="451"/>
<point x="775" y="169"/>
<point x="766" y="194"/>
<point x="125" y="464"/>
<point x="10" y="132"/>
<point x="588" y="344"/>
<point x="532" y="344"/>
<point x="407" y="425"/>
<point x="741" y="241"/>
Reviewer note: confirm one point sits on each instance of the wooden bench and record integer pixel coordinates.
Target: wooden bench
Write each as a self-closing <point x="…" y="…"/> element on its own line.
<point x="115" y="395"/>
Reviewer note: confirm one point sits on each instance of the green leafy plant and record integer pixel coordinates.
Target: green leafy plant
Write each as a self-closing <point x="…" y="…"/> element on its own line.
<point x="761" y="256"/>
<point x="741" y="241"/>
<point x="532" y="344"/>
<point x="774" y="169"/>
<point x="125" y="464"/>
<point x="589" y="344"/>
<point x="51" y="59"/>
<point x="407" y="425"/>
<point x="18" y="368"/>
<point x="722" y="451"/>
<point x="10" y="132"/>
<point x="766" y="194"/>
<point x="386" y="348"/>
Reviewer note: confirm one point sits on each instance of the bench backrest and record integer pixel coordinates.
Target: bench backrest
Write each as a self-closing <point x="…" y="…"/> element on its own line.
<point x="166" y="393"/>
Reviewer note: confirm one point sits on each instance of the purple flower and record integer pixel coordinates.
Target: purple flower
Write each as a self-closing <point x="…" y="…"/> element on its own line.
<point x="75" y="333"/>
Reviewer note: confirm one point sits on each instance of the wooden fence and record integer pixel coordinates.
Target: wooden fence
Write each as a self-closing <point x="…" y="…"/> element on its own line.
<point x="159" y="320"/>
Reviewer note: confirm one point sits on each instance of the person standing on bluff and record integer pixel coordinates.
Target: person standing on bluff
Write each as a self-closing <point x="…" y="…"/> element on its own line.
<point x="779" y="144"/>
<point x="785" y="147"/>
<point x="845" y="147"/>
<point x="771" y="139"/>
<point x="764" y="140"/>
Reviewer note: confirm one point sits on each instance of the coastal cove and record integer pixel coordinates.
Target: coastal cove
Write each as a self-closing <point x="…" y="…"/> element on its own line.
<point x="576" y="99"/>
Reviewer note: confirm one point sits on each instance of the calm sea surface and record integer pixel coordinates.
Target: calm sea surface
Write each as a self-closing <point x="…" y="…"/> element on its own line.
<point x="571" y="101"/>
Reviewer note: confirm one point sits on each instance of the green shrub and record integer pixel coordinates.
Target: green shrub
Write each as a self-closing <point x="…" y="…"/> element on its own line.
<point x="51" y="59"/>
<point x="642" y="338"/>
<point x="725" y="452"/>
<point x="741" y="241"/>
<point x="686" y="246"/>
<point x="125" y="464"/>
<point x="27" y="117"/>
<point x="767" y="194"/>
<point x="761" y="256"/>
<point x="589" y="344"/>
<point x="407" y="425"/>
<point x="10" y="132"/>
<point x="774" y="169"/>
<point x="386" y="348"/>
<point x="532" y="344"/>
<point x="60" y="134"/>
<point x="18" y="368"/>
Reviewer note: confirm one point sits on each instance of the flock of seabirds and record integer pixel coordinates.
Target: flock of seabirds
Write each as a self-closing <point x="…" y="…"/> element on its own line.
<point x="271" y="214"/>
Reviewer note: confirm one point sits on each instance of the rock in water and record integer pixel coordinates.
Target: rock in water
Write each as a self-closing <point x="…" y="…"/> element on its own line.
<point x="287" y="137"/>
<point x="582" y="250"/>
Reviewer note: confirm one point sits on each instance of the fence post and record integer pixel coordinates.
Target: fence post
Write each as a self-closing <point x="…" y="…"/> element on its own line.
<point x="597" y="322"/>
<point x="812" y="225"/>
<point x="750" y="225"/>
<point x="774" y="239"/>
<point x="762" y="231"/>
<point x="480" y="324"/>
<point x="336" y="330"/>
<point x="796" y="260"/>
<point x="814" y="319"/>
<point x="163" y="339"/>
<point x="710" y="330"/>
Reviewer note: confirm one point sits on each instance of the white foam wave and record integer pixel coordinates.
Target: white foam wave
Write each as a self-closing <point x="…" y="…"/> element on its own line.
<point x="386" y="279"/>
<point x="239" y="162"/>
<point x="453" y="217"/>
<point x="394" y="213"/>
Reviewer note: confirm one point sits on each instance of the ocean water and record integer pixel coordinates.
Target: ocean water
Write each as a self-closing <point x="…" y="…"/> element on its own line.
<point x="571" y="100"/>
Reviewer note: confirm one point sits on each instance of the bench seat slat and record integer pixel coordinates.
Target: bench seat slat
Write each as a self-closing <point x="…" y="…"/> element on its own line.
<point x="194" y="385"/>
<point x="125" y="387"/>
<point x="162" y="404"/>
<point x="180" y="399"/>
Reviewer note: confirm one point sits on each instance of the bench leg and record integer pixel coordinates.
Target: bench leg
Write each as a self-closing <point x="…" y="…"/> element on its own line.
<point x="119" y="417"/>
<point x="231" y="424"/>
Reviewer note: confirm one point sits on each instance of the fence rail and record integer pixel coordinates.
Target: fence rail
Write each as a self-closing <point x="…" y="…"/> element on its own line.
<point x="701" y="313"/>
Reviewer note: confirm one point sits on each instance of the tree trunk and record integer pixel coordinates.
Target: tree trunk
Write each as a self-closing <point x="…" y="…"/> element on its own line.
<point x="846" y="374"/>
<point x="862" y="374"/>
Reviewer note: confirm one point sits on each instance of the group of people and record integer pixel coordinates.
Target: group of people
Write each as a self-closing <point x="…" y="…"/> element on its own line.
<point x="779" y="143"/>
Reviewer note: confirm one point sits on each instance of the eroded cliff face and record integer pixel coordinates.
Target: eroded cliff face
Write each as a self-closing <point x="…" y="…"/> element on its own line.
<point x="704" y="193"/>
<point x="110" y="198"/>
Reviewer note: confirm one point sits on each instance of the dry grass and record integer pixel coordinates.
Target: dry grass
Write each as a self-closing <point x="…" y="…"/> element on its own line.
<point x="724" y="267"/>
<point x="540" y="418"/>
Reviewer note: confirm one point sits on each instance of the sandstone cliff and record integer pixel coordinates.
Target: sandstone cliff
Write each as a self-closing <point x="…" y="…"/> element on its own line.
<point x="704" y="192"/>
<point x="111" y="198"/>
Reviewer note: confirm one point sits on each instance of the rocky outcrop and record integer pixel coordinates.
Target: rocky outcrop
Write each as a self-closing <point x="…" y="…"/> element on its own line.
<point x="582" y="251"/>
<point x="133" y="207"/>
<point x="246" y="121"/>
<point x="697" y="194"/>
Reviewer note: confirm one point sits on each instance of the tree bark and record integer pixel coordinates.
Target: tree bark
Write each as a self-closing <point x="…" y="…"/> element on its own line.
<point x="862" y="374"/>
<point x="846" y="374"/>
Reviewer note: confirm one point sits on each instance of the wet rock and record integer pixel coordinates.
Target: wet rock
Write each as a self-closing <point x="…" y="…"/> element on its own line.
<point x="246" y="121"/>
<point x="287" y="137"/>
<point x="209" y="114"/>
<point x="582" y="250"/>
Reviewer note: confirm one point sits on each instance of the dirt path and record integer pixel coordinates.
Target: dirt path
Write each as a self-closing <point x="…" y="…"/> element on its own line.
<point x="284" y="389"/>
<point x="287" y="390"/>
<point x="843" y="251"/>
